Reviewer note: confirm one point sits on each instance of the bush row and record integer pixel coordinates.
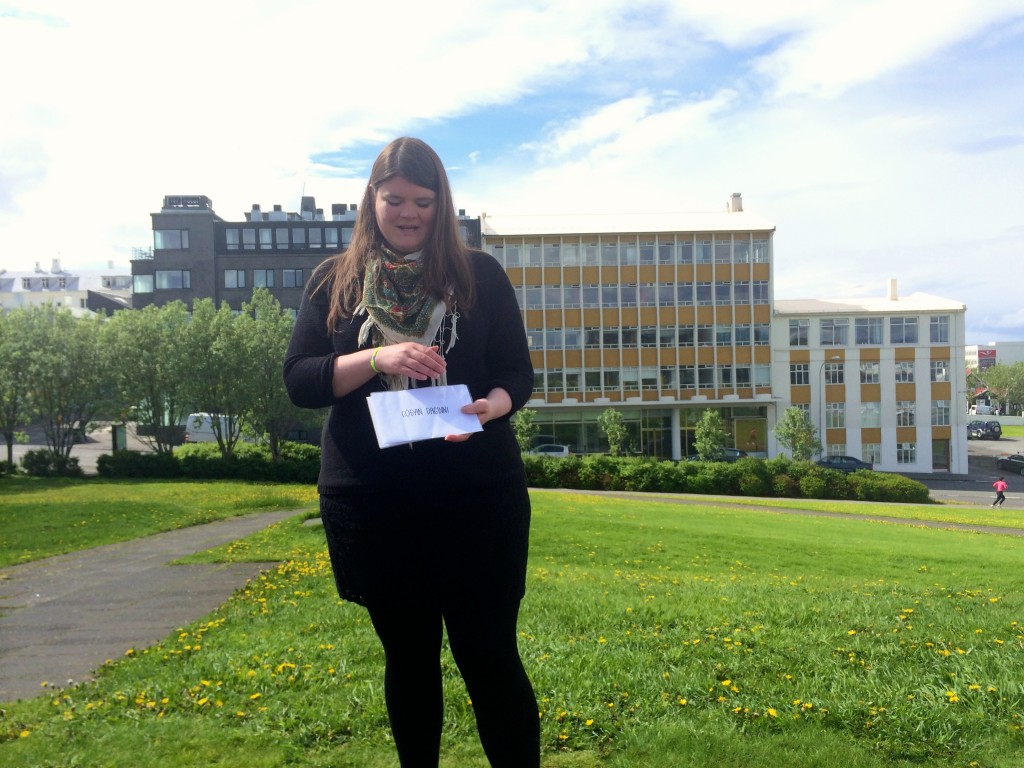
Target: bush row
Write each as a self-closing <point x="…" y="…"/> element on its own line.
<point x="300" y="463"/>
<point x="779" y="477"/>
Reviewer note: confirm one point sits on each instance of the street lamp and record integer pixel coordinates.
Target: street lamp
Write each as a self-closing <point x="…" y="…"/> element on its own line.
<point x="821" y="378"/>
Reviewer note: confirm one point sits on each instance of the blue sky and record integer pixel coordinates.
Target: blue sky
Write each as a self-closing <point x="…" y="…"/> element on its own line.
<point x="884" y="138"/>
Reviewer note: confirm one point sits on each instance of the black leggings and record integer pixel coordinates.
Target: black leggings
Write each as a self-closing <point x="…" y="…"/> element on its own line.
<point x="483" y="644"/>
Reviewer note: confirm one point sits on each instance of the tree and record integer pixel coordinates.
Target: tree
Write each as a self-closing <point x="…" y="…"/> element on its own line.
<point x="797" y="433"/>
<point x="220" y="381"/>
<point x="614" y="429"/>
<point x="15" y="406"/>
<point x="67" y="371"/>
<point x="710" y="435"/>
<point x="150" y="370"/>
<point x="1006" y="381"/>
<point x="267" y="330"/>
<point x="525" y="428"/>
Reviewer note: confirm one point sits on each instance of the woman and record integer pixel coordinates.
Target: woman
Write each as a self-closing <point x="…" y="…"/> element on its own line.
<point x="434" y="532"/>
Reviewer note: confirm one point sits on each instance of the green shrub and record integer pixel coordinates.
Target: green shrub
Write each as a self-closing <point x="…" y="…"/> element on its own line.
<point x="881" y="486"/>
<point x="600" y="472"/>
<point x="138" y="464"/>
<point x="42" y="463"/>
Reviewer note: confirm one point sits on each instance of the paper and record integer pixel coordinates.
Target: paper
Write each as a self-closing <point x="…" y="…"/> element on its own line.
<point x="409" y="415"/>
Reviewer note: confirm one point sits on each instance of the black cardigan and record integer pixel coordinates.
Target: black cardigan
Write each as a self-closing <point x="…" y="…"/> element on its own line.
<point x="491" y="351"/>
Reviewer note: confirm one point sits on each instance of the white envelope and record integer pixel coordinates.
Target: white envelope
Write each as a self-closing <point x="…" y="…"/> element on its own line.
<point x="409" y="415"/>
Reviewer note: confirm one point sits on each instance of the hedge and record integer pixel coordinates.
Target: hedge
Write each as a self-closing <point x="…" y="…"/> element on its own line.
<point x="300" y="463"/>
<point x="780" y="477"/>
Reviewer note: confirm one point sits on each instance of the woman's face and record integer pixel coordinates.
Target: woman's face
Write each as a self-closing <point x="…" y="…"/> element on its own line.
<point x="405" y="214"/>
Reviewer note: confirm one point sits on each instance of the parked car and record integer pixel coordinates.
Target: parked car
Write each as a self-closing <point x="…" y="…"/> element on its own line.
<point x="1013" y="463"/>
<point x="974" y="430"/>
<point x="993" y="430"/>
<point x="728" y="454"/>
<point x="844" y="463"/>
<point x="550" y="449"/>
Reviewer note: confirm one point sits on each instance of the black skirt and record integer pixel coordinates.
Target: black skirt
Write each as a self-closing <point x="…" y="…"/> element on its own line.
<point x="450" y="547"/>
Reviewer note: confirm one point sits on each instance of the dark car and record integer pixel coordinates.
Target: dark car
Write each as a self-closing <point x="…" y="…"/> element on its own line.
<point x="992" y="430"/>
<point x="1013" y="463"/>
<point x="728" y="454"/>
<point x="844" y="463"/>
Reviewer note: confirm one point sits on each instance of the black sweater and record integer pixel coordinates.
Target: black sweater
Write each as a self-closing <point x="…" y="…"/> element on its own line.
<point x="491" y="351"/>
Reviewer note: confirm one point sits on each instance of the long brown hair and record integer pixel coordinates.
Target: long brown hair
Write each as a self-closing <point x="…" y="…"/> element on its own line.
<point x="447" y="271"/>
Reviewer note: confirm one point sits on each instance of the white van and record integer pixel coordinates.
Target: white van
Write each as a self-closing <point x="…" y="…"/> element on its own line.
<point x="199" y="428"/>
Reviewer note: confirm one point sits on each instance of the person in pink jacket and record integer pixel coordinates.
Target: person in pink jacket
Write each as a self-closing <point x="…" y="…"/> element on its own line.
<point x="1000" y="486"/>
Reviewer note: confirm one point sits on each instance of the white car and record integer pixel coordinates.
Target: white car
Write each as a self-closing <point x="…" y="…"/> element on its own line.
<point x="550" y="449"/>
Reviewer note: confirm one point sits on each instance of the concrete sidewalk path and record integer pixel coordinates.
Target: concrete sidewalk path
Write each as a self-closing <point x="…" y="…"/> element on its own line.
<point x="61" y="618"/>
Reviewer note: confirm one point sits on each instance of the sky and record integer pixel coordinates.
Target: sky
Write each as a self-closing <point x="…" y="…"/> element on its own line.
<point x="883" y="138"/>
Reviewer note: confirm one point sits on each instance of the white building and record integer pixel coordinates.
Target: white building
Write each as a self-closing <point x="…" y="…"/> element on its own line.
<point x="81" y="290"/>
<point x="880" y="377"/>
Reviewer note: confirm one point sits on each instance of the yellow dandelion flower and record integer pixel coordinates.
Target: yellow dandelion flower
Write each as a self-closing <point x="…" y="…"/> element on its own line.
<point x="772" y="712"/>
<point x="25" y="734"/>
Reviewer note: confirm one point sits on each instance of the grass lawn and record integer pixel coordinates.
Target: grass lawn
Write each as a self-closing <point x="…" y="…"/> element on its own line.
<point x="44" y="517"/>
<point x="655" y="635"/>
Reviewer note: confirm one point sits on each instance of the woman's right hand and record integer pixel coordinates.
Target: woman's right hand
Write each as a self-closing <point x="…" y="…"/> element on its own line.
<point x="410" y="359"/>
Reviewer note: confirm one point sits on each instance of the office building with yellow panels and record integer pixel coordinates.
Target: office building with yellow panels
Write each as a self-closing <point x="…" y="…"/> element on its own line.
<point x="660" y="316"/>
<point x="882" y="378"/>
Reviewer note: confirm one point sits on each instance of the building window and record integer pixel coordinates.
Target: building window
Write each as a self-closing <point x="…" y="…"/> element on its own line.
<point x="571" y="296"/>
<point x="170" y="239"/>
<point x="534" y="297"/>
<point x="870" y="415"/>
<point x="743" y="375"/>
<point x="667" y="294"/>
<point x="649" y="336"/>
<point x="648" y="375"/>
<point x="552" y="296"/>
<point x="835" y="449"/>
<point x="835" y="415"/>
<point x="723" y="335"/>
<point x="648" y="295"/>
<point x="231" y="236"/>
<point x="298" y="238"/>
<point x="869" y="373"/>
<point x="142" y="284"/>
<point x="610" y="379"/>
<point x="741" y="251"/>
<point x="684" y="253"/>
<point x="591" y="296"/>
<point x="905" y="371"/>
<point x="940" y="370"/>
<point x="553" y="339"/>
<point x="573" y="338"/>
<point x="263" y="278"/>
<point x="741" y="293"/>
<point x="725" y="376"/>
<point x="760" y="291"/>
<point x="762" y="335"/>
<point x="535" y="338"/>
<point x="723" y="293"/>
<point x="939" y="330"/>
<point x="799" y="373"/>
<point x="44" y="283"/>
<point x="762" y="375"/>
<point x="760" y="251"/>
<point x="834" y="332"/>
<point x="704" y="297"/>
<point x="26" y="283"/>
<point x="868" y="331"/>
<point x="723" y="251"/>
<point x="592" y="338"/>
<point x="871" y="453"/>
<point x="572" y="381"/>
<point x="704" y="252"/>
<point x="687" y="377"/>
<point x="170" y="279"/>
<point x="906" y="453"/>
<point x="627" y="295"/>
<point x="629" y="337"/>
<point x="266" y="238"/>
<point x="592" y="381"/>
<point x="903" y="330"/>
<point x="62" y="283"/>
<point x="667" y="338"/>
<point x="834" y="373"/>
<point x="609" y="295"/>
<point x="281" y="236"/>
<point x="234" y="278"/>
<point x="249" y="239"/>
<point x="686" y="335"/>
<point x="905" y="413"/>
<point x="705" y="335"/>
<point x="799" y="330"/>
<point x="331" y="238"/>
<point x="291" y="278"/>
<point x="742" y="332"/>
<point x="610" y="338"/>
<point x="705" y="376"/>
<point x="684" y="294"/>
<point x="940" y="413"/>
<point x="669" y="374"/>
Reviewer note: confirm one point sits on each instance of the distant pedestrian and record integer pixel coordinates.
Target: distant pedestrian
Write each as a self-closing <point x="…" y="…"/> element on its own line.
<point x="1000" y="486"/>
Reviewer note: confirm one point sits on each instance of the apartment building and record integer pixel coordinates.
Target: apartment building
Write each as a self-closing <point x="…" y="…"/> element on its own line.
<point x="882" y="378"/>
<point x="659" y="315"/>
<point x="197" y="254"/>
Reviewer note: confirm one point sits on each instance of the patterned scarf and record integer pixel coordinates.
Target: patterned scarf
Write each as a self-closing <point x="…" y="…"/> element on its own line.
<point x="398" y="306"/>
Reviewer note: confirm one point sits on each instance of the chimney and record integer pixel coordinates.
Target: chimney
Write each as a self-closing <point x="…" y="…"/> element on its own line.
<point x="55" y="267"/>
<point x="735" y="204"/>
<point x="893" y="296"/>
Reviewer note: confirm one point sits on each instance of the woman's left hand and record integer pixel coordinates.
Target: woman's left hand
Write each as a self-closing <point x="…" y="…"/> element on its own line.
<point x="497" y="403"/>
